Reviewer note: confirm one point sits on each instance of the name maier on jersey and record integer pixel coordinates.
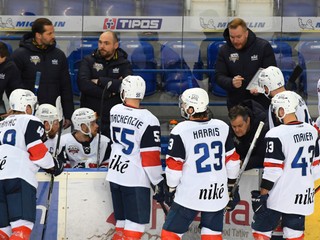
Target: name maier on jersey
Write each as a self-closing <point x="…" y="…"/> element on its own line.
<point x="287" y="185"/>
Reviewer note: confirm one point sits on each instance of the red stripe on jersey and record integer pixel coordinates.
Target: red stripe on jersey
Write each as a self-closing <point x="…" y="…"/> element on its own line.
<point x="315" y="163"/>
<point x="150" y="159"/>
<point x="277" y="165"/>
<point x="233" y="157"/>
<point x="37" y="152"/>
<point x="173" y="164"/>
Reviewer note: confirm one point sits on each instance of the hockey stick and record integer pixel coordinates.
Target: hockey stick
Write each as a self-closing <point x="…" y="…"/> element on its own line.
<point x="55" y="154"/>
<point x="165" y="210"/>
<point x="246" y="159"/>
<point x="100" y="124"/>
<point x="37" y="83"/>
<point x="295" y="74"/>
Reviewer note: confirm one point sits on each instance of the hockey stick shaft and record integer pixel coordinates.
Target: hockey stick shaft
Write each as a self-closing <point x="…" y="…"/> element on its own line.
<point x="47" y="207"/>
<point x="100" y="125"/>
<point x="55" y="154"/>
<point x="295" y="74"/>
<point x="164" y="209"/>
<point x="37" y="83"/>
<point x="247" y="158"/>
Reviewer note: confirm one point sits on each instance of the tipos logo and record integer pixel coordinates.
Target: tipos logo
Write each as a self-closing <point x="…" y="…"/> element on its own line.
<point x="132" y="23"/>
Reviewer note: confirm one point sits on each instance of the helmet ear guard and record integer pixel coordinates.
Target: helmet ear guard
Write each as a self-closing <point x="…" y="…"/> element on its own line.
<point x="133" y="87"/>
<point x="47" y="112"/>
<point x="19" y="99"/>
<point x="195" y="98"/>
<point x="272" y="78"/>
<point x="286" y="100"/>
<point x="83" y="116"/>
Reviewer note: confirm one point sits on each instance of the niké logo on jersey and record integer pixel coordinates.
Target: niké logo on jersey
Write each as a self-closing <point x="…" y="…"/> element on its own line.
<point x="3" y="162"/>
<point x="118" y="165"/>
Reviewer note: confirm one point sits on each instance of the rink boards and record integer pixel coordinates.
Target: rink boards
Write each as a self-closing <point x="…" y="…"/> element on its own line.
<point x="81" y="208"/>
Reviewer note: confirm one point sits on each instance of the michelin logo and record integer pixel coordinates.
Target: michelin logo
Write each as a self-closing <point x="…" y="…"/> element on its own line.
<point x="132" y="23"/>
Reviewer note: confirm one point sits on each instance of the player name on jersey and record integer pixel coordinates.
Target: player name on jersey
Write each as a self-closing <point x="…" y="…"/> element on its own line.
<point x="206" y="132"/>
<point x="126" y="120"/>
<point x="303" y="137"/>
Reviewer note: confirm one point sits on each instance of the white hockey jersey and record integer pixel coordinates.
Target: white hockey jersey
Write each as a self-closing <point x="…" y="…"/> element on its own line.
<point x="201" y="157"/>
<point x="135" y="152"/>
<point x="302" y="113"/>
<point x="51" y="144"/>
<point x="83" y="155"/>
<point x="22" y="151"/>
<point x="288" y="164"/>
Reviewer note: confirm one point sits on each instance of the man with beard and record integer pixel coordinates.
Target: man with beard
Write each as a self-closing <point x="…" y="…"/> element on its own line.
<point x="44" y="68"/>
<point x="48" y="115"/>
<point x="103" y="70"/>
<point x="80" y="148"/>
<point x="239" y="60"/>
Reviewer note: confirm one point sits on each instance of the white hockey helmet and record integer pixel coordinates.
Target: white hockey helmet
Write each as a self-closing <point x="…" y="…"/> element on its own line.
<point x="132" y="87"/>
<point x="83" y="116"/>
<point x="47" y="112"/>
<point x="197" y="98"/>
<point x="20" y="98"/>
<point x="272" y="78"/>
<point x="287" y="100"/>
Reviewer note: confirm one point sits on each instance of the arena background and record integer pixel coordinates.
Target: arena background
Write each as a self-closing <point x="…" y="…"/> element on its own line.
<point x="192" y="31"/>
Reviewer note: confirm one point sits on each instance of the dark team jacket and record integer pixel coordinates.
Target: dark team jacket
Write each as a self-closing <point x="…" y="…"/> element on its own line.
<point x="107" y="72"/>
<point x="52" y="64"/>
<point x="9" y="77"/>
<point x="245" y="62"/>
<point x="242" y="144"/>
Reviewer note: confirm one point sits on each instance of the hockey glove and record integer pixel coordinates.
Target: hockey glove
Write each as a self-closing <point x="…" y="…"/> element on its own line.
<point x="169" y="194"/>
<point x="159" y="192"/>
<point x="234" y="199"/>
<point x="259" y="202"/>
<point x="57" y="169"/>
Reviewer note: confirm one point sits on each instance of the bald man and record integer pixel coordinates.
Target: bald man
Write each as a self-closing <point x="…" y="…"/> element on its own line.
<point x="102" y="70"/>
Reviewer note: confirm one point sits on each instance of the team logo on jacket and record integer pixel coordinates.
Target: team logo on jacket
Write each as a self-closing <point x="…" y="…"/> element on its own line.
<point x="234" y="57"/>
<point x="2" y="76"/>
<point x="54" y="62"/>
<point x="35" y="59"/>
<point x="98" y="66"/>
<point x="115" y="70"/>
<point x="254" y="57"/>
<point x="73" y="149"/>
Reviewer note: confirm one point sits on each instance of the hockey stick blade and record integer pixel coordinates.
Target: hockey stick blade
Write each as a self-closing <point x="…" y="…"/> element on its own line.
<point x="246" y="160"/>
<point x="295" y="74"/>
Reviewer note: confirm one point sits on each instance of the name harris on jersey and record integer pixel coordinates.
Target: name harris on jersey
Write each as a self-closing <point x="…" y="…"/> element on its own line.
<point x="206" y="132"/>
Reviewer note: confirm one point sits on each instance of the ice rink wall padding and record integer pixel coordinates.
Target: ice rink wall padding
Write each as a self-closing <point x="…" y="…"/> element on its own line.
<point x="81" y="208"/>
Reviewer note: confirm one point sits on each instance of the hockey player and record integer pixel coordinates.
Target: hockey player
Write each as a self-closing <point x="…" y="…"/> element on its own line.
<point x="202" y="166"/>
<point x="271" y="80"/>
<point x="287" y="187"/>
<point x="48" y="114"/>
<point x="81" y="147"/>
<point x="134" y="160"/>
<point x="21" y="154"/>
